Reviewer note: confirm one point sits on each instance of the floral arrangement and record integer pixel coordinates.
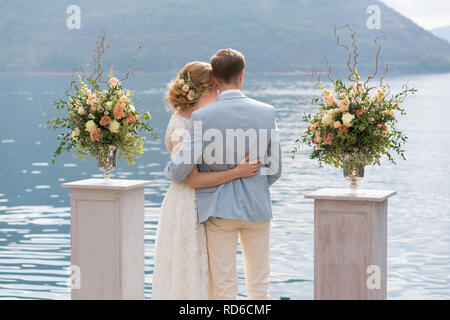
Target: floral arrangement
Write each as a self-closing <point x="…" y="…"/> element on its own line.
<point x="188" y="87"/>
<point x="99" y="119"/>
<point x="355" y="122"/>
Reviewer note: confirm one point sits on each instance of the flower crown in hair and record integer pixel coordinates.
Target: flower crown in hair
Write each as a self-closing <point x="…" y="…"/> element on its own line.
<point x="188" y="87"/>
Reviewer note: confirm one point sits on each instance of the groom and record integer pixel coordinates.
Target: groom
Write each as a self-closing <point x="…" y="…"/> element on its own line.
<point x="220" y="136"/>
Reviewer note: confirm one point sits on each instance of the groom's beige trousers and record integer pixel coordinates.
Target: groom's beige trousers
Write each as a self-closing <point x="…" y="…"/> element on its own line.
<point x="222" y="236"/>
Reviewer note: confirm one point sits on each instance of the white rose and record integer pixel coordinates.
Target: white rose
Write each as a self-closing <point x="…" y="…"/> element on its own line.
<point x="347" y="119"/>
<point x="109" y="105"/>
<point x="90" y="125"/>
<point x="75" y="134"/>
<point x="327" y="120"/>
<point x="114" y="126"/>
<point x="81" y="110"/>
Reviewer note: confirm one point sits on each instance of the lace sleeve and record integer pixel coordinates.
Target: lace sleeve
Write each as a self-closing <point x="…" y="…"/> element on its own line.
<point x="176" y="129"/>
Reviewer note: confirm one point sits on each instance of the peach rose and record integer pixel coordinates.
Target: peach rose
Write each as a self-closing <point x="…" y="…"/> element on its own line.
<point x="118" y="112"/>
<point x="105" y="121"/>
<point x="131" y="119"/>
<point x="92" y="101"/>
<point x="318" y="138"/>
<point x="343" y="129"/>
<point x="113" y="82"/>
<point x="359" y="112"/>
<point x="382" y="125"/>
<point x="330" y="100"/>
<point x="95" y="134"/>
<point x="344" y="104"/>
<point x="328" y="138"/>
<point x="314" y="126"/>
<point x="337" y="124"/>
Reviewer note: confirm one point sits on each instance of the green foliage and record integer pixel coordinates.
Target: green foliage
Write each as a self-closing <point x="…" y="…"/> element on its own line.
<point x="352" y="121"/>
<point x="97" y="119"/>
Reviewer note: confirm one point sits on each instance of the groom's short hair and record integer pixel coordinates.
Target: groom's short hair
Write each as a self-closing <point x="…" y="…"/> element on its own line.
<point x="227" y="64"/>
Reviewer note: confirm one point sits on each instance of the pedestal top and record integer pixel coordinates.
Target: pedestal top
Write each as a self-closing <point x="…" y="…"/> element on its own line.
<point x="102" y="184"/>
<point x="347" y="194"/>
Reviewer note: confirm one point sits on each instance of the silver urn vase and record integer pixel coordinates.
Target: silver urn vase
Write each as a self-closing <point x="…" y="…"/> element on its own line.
<point x="107" y="161"/>
<point x="353" y="170"/>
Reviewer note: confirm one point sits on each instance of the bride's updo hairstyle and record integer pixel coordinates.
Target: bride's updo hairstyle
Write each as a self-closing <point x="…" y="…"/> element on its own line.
<point x="193" y="81"/>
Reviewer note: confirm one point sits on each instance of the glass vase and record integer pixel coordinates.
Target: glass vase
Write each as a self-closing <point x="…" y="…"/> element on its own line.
<point x="353" y="169"/>
<point x="107" y="161"/>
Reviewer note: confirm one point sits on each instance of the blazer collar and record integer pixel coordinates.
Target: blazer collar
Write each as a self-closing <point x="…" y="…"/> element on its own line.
<point x="230" y="95"/>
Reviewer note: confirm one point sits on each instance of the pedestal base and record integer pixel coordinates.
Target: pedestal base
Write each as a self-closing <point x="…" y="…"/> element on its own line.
<point x="107" y="238"/>
<point x="350" y="243"/>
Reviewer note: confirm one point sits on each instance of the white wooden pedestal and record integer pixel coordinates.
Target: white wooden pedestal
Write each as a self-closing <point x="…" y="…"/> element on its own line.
<point x="350" y="243"/>
<point x="107" y="238"/>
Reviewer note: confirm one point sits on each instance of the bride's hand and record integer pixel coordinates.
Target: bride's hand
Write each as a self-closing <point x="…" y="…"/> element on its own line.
<point x="246" y="168"/>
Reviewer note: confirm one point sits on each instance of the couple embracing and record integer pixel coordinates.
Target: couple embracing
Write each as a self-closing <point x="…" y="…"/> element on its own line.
<point x="225" y="154"/>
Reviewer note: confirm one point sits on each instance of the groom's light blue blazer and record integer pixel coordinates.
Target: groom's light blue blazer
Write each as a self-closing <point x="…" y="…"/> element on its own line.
<point x="229" y="120"/>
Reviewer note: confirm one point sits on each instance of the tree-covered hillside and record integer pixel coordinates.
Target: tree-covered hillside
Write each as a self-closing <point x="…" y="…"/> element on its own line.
<point x="274" y="35"/>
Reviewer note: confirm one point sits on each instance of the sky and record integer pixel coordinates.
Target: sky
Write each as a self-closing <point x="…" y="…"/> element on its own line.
<point x="428" y="14"/>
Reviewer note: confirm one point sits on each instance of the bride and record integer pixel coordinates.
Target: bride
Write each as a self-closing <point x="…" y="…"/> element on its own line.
<point x="181" y="259"/>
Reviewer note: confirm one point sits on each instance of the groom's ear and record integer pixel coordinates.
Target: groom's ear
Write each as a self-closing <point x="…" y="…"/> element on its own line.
<point x="241" y="76"/>
<point x="215" y="80"/>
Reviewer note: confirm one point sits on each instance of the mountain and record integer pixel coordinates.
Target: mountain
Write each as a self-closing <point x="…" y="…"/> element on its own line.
<point x="442" y="32"/>
<point x="274" y="35"/>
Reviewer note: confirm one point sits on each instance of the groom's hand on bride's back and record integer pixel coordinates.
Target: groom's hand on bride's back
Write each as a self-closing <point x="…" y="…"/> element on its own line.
<point x="248" y="168"/>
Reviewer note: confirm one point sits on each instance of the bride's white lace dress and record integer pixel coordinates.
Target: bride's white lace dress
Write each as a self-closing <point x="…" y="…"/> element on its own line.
<point x="181" y="260"/>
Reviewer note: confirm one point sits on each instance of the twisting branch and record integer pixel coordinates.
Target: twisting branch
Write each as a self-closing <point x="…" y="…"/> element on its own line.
<point x="130" y="65"/>
<point x="336" y="28"/>
<point x="73" y="81"/>
<point x="351" y="55"/>
<point x="99" y="51"/>
<point x="329" y="72"/>
<point x="306" y="102"/>
<point x="376" y="60"/>
<point x="316" y="74"/>
<point x="355" y="48"/>
<point x="388" y="65"/>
